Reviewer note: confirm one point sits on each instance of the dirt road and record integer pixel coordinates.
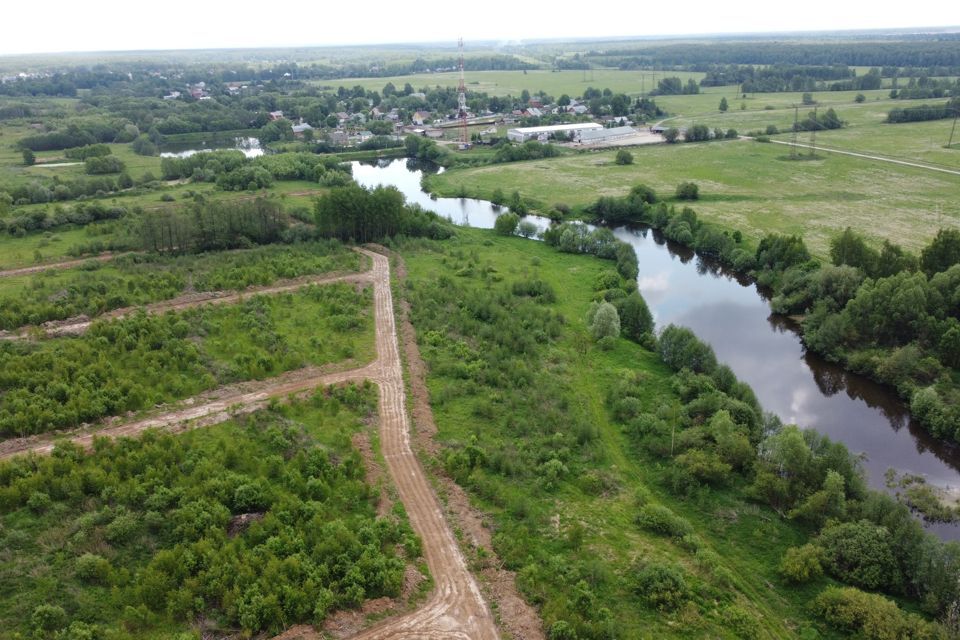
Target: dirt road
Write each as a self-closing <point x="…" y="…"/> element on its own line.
<point x="76" y="326"/>
<point x="905" y="163"/>
<point x="455" y="610"/>
<point x="66" y="264"/>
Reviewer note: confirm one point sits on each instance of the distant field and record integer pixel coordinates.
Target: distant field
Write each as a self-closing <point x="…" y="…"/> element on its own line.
<point x="501" y="83"/>
<point x="744" y="185"/>
<point x="866" y="129"/>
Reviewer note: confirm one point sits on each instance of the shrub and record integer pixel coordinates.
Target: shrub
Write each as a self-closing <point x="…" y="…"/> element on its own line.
<point x="93" y="568"/>
<point x="527" y="229"/>
<point x="38" y="502"/>
<point x="871" y="616"/>
<point x="606" y="279"/>
<point x="603" y="321"/>
<point x="506" y="224"/>
<point x="802" y="564"/>
<point x="624" y="157"/>
<point x="860" y="553"/>
<point x="688" y="191"/>
<point x="679" y="348"/>
<point x="660" y="519"/>
<point x="662" y="585"/>
<point x="635" y="317"/>
<point x="47" y="618"/>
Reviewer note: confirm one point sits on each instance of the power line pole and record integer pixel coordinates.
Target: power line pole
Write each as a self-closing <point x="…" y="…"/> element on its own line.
<point x="956" y="113"/>
<point x="813" y="134"/>
<point x="796" y="125"/>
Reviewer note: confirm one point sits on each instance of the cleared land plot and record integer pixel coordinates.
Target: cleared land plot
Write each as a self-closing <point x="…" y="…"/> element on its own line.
<point x="743" y="185"/>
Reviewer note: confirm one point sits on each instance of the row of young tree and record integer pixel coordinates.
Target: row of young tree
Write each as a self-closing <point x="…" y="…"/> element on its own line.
<point x="141" y="360"/>
<point x="232" y="171"/>
<point x="949" y="109"/>
<point x="938" y="50"/>
<point x="213" y="226"/>
<point x="863" y="538"/>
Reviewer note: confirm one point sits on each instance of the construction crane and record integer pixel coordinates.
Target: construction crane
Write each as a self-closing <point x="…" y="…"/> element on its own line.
<point x="462" y="105"/>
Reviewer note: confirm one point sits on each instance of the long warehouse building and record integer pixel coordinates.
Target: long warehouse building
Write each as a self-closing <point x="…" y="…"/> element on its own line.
<point x="522" y="134"/>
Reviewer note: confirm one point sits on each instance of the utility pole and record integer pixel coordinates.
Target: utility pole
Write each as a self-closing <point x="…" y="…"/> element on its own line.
<point x="813" y="134"/>
<point x="953" y="129"/>
<point x="796" y="125"/>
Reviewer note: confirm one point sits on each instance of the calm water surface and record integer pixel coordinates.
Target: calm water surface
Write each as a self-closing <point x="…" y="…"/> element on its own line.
<point x="733" y="316"/>
<point x="249" y="146"/>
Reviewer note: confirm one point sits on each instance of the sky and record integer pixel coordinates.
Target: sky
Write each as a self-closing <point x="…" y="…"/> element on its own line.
<point x="115" y="25"/>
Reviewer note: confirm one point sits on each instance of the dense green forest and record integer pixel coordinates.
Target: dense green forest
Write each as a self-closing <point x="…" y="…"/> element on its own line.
<point x="250" y="526"/>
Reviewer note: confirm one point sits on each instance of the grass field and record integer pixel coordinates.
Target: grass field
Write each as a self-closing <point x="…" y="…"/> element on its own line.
<point x="744" y="185"/>
<point x="865" y="132"/>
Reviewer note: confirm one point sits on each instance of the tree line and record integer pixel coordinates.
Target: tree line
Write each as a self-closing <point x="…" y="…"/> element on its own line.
<point x="920" y="113"/>
<point x="354" y="214"/>
<point x="882" y="313"/>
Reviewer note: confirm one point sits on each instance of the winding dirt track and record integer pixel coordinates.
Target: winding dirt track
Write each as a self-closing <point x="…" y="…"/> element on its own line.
<point x="455" y="610"/>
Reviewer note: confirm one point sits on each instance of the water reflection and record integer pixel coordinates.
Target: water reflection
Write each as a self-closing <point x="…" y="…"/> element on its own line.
<point x="250" y="147"/>
<point x="732" y="314"/>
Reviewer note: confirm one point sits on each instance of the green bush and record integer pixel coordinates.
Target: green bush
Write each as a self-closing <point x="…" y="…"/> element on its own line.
<point x="802" y="564"/>
<point x="872" y="617"/>
<point x="662" y="585"/>
<point x="859" y="553"/>
<point x="506" y="223"/>
<point x="688" y="191"/>
<point x="93" y="568"/>
<point x="660" y="519"/>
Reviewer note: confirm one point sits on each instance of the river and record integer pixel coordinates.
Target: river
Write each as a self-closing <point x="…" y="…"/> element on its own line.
<point x="765" y="351"/>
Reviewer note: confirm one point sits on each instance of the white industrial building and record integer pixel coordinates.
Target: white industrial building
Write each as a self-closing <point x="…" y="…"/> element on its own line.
<point x="598" y="136"/>
<point x="522" y="134"/>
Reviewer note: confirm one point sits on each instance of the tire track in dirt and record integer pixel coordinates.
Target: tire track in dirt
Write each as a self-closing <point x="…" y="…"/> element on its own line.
<point x="455" y="610"/>
<point x="65" y="264"/>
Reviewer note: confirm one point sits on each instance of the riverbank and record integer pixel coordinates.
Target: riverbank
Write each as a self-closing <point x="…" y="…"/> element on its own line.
<point x="732" y="314"/>
<point x="565" y="445"/>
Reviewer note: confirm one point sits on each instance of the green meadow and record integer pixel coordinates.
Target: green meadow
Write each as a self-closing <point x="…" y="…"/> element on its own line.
<point x="745" y="185"/>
